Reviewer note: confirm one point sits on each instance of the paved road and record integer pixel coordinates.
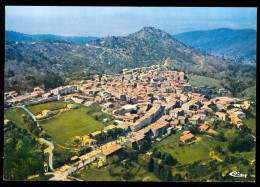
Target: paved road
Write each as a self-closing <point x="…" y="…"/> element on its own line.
<point x="51" y="154"/>
<point x="29" y="112"/>
<point x="77" y="166"/>
<point x="46" y="141"/>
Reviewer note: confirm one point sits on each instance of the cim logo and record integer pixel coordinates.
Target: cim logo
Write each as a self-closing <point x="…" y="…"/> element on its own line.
<point x="237" y="174"/>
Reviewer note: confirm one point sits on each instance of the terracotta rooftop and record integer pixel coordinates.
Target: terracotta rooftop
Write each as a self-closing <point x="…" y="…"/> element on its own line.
<point x="111" y="149"/>
<point x="186" y="137"/>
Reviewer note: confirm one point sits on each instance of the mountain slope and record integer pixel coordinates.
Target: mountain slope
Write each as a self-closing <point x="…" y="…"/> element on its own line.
<point x="20" y="37"/>
<point x="236" y="45"/>
<point x="28" y="64"/>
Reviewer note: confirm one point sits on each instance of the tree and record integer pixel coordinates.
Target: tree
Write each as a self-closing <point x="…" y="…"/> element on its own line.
<point x="213" y="107"/>
<point x="194" y="129"/>
<point x="169" y="160"/>
<point x="241" y="144"/>
<point x="177" y="177"/>
<point x="151" y="165"/>
<point x="221" y="137"/>
<point x="115" y="159"/>
<point x="218" y="149"/>
<point x="36" y="131"/>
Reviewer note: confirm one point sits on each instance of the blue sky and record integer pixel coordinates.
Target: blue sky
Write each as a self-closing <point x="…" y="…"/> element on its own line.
<point x="121" y="21"/>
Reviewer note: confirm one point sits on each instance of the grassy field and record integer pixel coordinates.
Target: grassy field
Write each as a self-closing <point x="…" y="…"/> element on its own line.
<point x="101" y="174"/>
<point x="251" y="122"/>
<point x="197" y="80"/>
<point x="249" y="93"/>
<point x="97" y="174"/>
<point x="67" y="125"/>
<point x="189" y="153"/>
<point x="15" y="116"/>
<point x="55" y="105"/>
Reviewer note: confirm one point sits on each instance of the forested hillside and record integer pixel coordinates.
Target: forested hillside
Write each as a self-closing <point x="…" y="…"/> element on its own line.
<point x="49" y="63"/>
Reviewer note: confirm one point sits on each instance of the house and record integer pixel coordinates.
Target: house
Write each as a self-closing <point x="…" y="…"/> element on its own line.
<point x="194" y="120"/>
<point x="187" y="138"/>
<point x="38" y="89"/>
<point x="246" y="104"/>
<point x="46" y="95"/>
<point x="240" y="114"/>
<point x="123" y="126"/>
<point x="141" y="123"/>
<point x="185" y="132"/>
<point x="88" y="141"/>
<point x="137" y="140"/>
<point x="159" y="129"/>
<point x="179" y="127"/>
<point x="94" y="134"/>
<point x="204" y="127"/>
<point x="77" y="100"/>
<point x="46" y="112"/>
<point x="174" y="123"/>
<point x="63" y="90"/>
<point x="183" y="119"/>
<point x="109" y="105"/>
<point x="221" y="116"/>
<point x="109" y="127"/>
<point x="71" y="106"/>
<point x="74" y="159"/>
<point x="108" y="152"/>
<point x="67" y="98"/>
<point x="131" y="118"/>
<point x="234" y="119"/>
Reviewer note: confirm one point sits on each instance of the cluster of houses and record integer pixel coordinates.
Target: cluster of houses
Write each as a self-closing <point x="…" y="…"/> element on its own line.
<point x="155" y="102"/>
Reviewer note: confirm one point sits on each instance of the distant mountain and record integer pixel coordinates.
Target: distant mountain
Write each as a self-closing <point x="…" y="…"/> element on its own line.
<point x="31" y="64"/>
<point x="20" y="37"/>
<point x="235" y="45"/>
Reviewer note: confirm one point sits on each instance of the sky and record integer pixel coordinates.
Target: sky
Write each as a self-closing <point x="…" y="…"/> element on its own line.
<point x="121" y="21"/>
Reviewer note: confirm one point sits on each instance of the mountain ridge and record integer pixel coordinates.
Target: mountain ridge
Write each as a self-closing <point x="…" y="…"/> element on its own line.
<point x="21" y="37"/>
<point x="71" y="61"/>
<point x="237" y="45"/>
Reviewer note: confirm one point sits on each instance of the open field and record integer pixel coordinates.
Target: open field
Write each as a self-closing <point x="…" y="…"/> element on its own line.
<point x="102" y="174"/>
<point x="249" y="93"/>
<point x="69" y="124"/>
<point x="251" y="122"/>
<point x="189" y="153"/>
<point x="15" y="116"/>
<point x="55" y="105"/>
<point x="197" y="80"/>
<point x="96" y="174"/>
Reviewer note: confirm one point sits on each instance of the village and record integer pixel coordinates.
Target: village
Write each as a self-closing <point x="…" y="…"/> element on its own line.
<point x="148" y="103"/>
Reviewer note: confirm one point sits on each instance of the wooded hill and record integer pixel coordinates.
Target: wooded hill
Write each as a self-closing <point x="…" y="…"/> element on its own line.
<point x="44" y="62"/>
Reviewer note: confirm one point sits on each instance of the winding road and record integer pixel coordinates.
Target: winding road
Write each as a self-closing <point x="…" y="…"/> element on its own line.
<point x="45" y="141"/>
